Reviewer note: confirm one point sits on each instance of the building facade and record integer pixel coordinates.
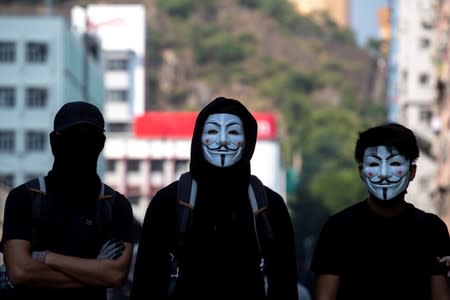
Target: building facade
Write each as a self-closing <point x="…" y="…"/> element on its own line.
<point x="121" y="30"/>
<point x="42" y="66"/>
<point x="440" y="123"/>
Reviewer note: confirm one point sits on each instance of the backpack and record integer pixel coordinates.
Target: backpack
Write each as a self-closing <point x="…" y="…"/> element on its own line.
<point x="38" y="192"/>
<point x="186" y="196"/>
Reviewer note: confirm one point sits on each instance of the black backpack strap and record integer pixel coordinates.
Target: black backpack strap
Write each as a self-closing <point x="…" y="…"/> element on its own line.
<point x="38" y="190"/>
<point x="186" y="196"/>
<point x="105" y="205"/>
<point x="263" y="230"/>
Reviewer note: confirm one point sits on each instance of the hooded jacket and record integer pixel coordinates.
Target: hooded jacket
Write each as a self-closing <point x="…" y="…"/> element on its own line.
<point x="220" y="259"/>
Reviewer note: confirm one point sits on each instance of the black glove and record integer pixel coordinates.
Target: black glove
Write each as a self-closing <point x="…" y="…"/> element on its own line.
<point x="112" y="249"/>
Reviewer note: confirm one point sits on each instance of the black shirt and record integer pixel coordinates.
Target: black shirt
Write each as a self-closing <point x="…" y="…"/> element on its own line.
<point x="67" y="226"/>
<point x="380" y="257"/>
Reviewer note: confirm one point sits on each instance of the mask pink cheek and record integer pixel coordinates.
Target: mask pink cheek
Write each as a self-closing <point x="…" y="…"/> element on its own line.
<point x="369" y="174"/>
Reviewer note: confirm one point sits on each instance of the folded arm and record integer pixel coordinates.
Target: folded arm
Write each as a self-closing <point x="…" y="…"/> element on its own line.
<point x="326" y="287"/>
<point x="103" y="272"/>
<point x="61" y="271"/>
<point x="439" y="288"/>
<point x="23" y="270"/>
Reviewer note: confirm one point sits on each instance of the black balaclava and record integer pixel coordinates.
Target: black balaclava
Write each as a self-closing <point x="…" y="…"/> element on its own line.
<point x="76" y="142"/>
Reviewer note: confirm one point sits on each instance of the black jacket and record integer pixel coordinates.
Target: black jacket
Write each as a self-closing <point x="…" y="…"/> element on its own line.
<point x="220" y="259"/>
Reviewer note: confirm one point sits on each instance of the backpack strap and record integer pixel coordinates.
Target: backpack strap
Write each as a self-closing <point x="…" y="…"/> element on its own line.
<point x="104" y="204"/>
<point x="187" y="187"/>
<point x="258" y="201"/>
<point x="38" y="191"/>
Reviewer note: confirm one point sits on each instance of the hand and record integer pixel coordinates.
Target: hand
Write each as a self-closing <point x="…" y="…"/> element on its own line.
<point x="446" y="261"/>
<point x="40" y="256"/>
<point x="112" y="249"/>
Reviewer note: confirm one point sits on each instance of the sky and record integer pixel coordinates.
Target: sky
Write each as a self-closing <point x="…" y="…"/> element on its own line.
<point x="363" y="18"/>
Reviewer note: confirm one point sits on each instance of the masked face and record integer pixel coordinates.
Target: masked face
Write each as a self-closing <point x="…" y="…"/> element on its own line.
<point x="223" y="139"/>
<point x="385" y="174"/>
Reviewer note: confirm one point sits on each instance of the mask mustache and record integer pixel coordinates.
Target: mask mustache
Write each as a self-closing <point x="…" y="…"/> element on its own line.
<point x="385" y="181"/>
<point x="223" y="148"/>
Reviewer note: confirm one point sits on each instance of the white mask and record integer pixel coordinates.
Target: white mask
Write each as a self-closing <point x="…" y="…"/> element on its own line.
<point x="385" y="173"/>
<point x="223" y="139"/>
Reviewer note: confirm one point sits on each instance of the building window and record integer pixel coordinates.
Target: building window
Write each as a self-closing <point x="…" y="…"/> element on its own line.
<point x="7" y="141"/>
<point x="424" y="43"/>
<point x="7" y="96"/>
<point x="424" y="79"/>
<point x="156" y="165"/>
<point x="35" y="140"/>
<point x="37" y="52"/>
<point x="117" y="65"/>
<point x="425" y="114"/>
<point x="36" y="97"/>
<point x="111" y="165"/>
<point x="118" y="127"/>
<point x="181" y="166"/>
<point x="7" y="180"/>
<point x="133" y="165"/>
<point x="32" y="176"/>
<point x="117" y="95"/>
<point x="7" y="52"/>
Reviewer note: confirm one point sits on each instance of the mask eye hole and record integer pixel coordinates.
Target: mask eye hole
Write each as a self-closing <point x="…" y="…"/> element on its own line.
<point x="374" y="164"/>
<point x="233" y="132"/>
<point x="395" y="164"/>
<point x="212" y="131"/>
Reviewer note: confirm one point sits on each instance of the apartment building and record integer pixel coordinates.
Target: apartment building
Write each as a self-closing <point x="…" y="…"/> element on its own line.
<point x="121" y="30"/>
<point x="414" y="91"/>
<point x="42" y="66"/>
<point x="440" y="122"/>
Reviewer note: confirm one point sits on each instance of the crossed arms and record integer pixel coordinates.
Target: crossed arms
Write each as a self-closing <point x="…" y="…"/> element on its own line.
<point x="53" y="270"/>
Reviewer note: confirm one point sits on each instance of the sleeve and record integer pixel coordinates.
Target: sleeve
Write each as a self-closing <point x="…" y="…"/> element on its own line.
<point x="440" y="242"/>
<point x="17" y="220"/>
<point x="281" y="258"/>
<point x="150" y="277"/>
<point x="122" y="225"/>
<point x="327" y="255"/>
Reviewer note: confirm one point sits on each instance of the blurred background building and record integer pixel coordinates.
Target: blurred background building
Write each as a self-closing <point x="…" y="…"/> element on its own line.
<point x="42" y="66"/>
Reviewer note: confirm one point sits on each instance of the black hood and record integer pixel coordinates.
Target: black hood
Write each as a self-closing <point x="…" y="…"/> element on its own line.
<point x="199" y="166"/>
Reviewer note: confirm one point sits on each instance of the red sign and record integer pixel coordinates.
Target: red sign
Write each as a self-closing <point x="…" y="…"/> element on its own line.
<point x="181" y="125"/>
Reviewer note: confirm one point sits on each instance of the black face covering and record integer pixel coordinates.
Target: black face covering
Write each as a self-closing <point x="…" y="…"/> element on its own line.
<point x="76" y="151"/>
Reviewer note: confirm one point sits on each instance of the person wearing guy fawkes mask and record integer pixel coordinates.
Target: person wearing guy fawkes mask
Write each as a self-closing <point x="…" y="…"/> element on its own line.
<point x="383" y="247"/>
<point x="220" y="258"/>
<point x="68" y="253"/>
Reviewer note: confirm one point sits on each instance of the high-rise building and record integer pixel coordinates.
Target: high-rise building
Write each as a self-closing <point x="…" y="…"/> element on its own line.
<point x="413" y="90"/>
<point x="42" y="66"/>
<point x="121" y="30"/>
